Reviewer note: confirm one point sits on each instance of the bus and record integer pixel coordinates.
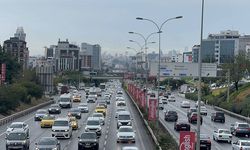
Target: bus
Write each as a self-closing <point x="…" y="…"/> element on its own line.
<point x="102" y="86"/>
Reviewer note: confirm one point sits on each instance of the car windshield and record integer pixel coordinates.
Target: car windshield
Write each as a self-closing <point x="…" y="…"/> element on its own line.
<point x="124" y="117"/>
<point x="64" y="99"/>
<point x="224" y="131"/>
<point x="100" y="107"/>
<point x="220" y="114"/>
<point x="16" y="136"/>
<point x="121" y="104"/>
<point x="48" y="118"/>
<point x="245" y="143"/>
<point x="55" y="106"/>
<point x="16" y="126"/>
<point x="47" y="141"/>
<point x="204" y="137"/>
<point x="88" y="136"/>
<point x="75" y="110"/>
<point x="172" y="112"/>
<point x="125" y="130"/>
<point x="93" y="122"/>
<point x="193" y="110"/>
<point x="83" y="105"/>
<point x="61" y="123"/>
<point x="98" y="115"/>
<point x="120" y="110"/>
<point x="243" y="125"/>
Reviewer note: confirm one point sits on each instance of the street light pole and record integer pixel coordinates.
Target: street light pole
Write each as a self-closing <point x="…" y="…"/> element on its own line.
<point x="199" y="84"/>
<point x="136" y="60"/>
<point x="159" y="63"/>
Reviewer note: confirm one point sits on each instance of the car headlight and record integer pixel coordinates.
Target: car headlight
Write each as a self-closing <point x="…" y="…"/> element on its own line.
<point x="86" y="129"/>
<point x="54" y="148"/>
<point x="119" y="123"/>
<point x="79" y="114"/>
<point x="57" y="109"/>
<point x="24" y="142"/>
<point x="129" y="123"/>
<point x="53" y="130"/>
<point x="37" y="148"/>
<point x="66" y="130"/>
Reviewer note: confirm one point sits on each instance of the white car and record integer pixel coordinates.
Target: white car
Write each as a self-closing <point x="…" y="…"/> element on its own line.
<point x="119" y="98"/>
<point x="202" y="104"/>
<point x="120" y="104"/>
<point x="222" y="135"/>
<point x="100" y="116"/>
<point x="203" y="110"/>
<point x="130" y="148"/>
<point x="83" y="107"/>
<point x="18" y="126"/>
<point x="126" y="134"/>
<point x="241" y="145"/>
<point x="94" y="125"/>
<point x="118" y="110"/>
<point x="62" y="128"/>
<point x="171" y="99"/>
<point x="164" y="100"/>
<point x="185" y="104"/>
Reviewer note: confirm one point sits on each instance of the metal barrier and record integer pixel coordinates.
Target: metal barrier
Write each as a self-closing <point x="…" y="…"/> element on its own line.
<point x="12" y="117"/>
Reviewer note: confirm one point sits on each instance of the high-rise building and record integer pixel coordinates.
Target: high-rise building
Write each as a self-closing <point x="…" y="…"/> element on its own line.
<point x="20" y="33"/>
<point x="92" y="53"/>
<point x="66" y="56"/>
<point x="50" y="51"/>
<point x="17" y="48"/>
<point x="218" y="48"/>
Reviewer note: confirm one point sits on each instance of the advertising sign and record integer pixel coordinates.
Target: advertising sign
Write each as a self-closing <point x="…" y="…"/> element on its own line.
<point x="152" y="109"/>
<point x="3" y="72"/>
<point x="187" y="140"/>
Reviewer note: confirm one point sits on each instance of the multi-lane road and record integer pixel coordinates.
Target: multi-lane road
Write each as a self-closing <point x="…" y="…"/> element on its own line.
<point x="207" y="127"/>
<point x="108" y="138"/>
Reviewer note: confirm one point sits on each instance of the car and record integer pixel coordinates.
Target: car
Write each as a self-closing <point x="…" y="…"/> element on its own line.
<point x="203" y="110"/>
<point x="241" y="145"/>
<point x="171" y="115"/>
<point x="222" y="135"/>
<point x="130" y="148"/>
<point x="17" y="139"/>
<point x="100" y="116"/>
<point x="107" y="100"/>
<point x="124" y="119"/>
<point x="100" y="109"/>
<point x="193" y="118"/>
<point x="119" y="92"/>
<point x="76" y="98"/>
<point x="201" y="103"/>
<point x="120" y="104"/>
<point x="125" y="134"/>
<point x="65" y="100"/>
<point x="218" y="116"/>
<point x="18" y="126"/>
<point x="40" y="113"/>
<point x="94" y="125"/>
<point x="182" y="125"/>
<point x="62" y="128"/>
<point x="240" y="129"/>
<point x="164" y="100"/>
<point x="205" y="142"/>
<point x="185" y="104"/>
<point x="165" y="95"/>
<point x="73" y="123"/>
<point x="88" y="140"/>
<point x="171" y="98"/>
<point x="47" y="121"/>
<point x="91" y="99"/>
<point x="118" y="97"/>
<point x="83" y="107"/>
<point x="118" y="110"/>
<point x="75" y="112"/>
<point x="161" y="106"/>
<point x="102" y="103"/>
<point x="48" y="143"/>
<point x="192" y="109"/>
<point x="107" y="95"/>
<point x="54" y="109"/>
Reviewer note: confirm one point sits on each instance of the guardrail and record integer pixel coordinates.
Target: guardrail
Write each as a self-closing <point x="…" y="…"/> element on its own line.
<point x="145" y="122"/>
<point x="23" y="113"/>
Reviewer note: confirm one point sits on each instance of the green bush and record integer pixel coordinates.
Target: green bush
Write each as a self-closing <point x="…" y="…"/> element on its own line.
<point x="192" y="96"/>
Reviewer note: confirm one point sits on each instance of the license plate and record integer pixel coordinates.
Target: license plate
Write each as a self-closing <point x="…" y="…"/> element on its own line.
<point x="183" y="127"/>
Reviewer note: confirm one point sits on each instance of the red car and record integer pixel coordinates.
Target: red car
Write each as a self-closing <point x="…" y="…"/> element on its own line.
<point x="193" y="118"/>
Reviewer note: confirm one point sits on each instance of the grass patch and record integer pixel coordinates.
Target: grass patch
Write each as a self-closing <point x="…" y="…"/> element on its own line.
<point x="217" y="92"/>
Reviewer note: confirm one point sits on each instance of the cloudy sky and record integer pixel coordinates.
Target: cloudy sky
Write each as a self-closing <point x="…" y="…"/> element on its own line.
<point x="107" y="22"/>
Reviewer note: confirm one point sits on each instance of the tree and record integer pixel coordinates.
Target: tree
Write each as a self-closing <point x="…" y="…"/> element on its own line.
<point x="237" y="68"/>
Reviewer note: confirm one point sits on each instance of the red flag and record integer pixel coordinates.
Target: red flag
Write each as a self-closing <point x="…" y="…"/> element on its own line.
<point x="152" y="109"/>
<point x="187" y="140"/>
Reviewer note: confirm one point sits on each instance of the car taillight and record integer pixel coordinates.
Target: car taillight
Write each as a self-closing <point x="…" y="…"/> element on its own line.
<point x="209" y="141"/>
<point x="237" y="129"/>
<point x="248" y="129"/>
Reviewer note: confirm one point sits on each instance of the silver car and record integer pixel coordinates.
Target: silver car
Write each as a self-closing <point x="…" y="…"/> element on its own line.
<point x="48" y="143"/>
<point x="100" y="116"/>
<point x="126" y="134"/>
<point x="241" y="145"/>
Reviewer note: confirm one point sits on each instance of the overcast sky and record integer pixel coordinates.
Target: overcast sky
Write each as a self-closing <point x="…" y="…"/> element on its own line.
<point x="107" y="22"/>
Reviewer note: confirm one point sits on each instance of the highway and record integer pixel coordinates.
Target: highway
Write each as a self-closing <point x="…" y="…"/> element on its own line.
<point x="207" y="127"/>
<point x="107" y="140"/>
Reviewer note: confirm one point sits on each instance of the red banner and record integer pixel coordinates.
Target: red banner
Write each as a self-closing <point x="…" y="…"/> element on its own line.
<point x="152" y="109"/>
<point x="143" y="100"/>
<point x="187" y="140"/>
<point x="3" y="72"/>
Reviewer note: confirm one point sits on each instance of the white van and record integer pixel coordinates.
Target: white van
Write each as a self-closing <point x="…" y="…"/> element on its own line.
<point x="65" y="101"/>
<point x="62" y="128"/>
<point x="123" y="119"/>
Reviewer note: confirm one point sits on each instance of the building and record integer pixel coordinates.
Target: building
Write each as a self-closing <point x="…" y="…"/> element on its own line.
<point x="50" y="51"/>
<point x="17" y="48"/>
<point x="45" y="76"/>
<point x="20" y="34"/>
<point x="218" y="48"/>
<point x="187" y="57"/>
<point x="93" y="54"/>
<point x="85" y="59"/>
<point x="66" y="56"/>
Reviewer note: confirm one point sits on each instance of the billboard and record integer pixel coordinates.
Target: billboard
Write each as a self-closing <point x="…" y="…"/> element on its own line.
<point x="3" y="72"/>
<point x="183" y="69"/>
<point x="152" y="109"/>
<point x="187" y="140"/>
